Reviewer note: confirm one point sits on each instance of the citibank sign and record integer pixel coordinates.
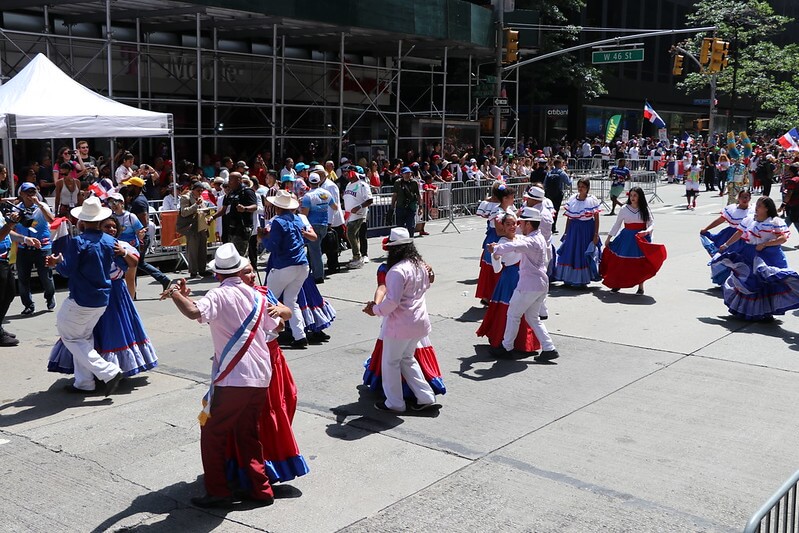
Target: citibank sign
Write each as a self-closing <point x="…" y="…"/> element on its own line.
<point x="557" y="111"/>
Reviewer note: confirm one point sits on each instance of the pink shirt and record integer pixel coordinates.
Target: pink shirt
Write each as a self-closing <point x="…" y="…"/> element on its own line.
<point x="404" y="308"/>
<point x="534" y="252"/>
<point x="225" y="308"/>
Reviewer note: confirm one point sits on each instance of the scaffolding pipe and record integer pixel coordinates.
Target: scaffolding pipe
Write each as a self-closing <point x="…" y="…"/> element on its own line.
<point x="110" y="73"/>
<point x="444" y="101"/>
<point x="46" y="13"/>
<point x="198" y="73"/>
<point x="282" y="95"/>
<point x="215" y="37"/>
<point x="516" y="108"/>
<point x="274" y="92"/>
<point x="341" y="98"/>
<point x="397" y="97"/>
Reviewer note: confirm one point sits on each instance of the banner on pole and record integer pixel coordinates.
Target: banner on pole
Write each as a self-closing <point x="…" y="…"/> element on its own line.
<point x="613" y="125"/>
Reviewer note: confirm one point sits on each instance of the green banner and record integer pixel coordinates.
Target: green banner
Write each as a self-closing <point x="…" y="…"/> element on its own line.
<point x="613" y="125"/>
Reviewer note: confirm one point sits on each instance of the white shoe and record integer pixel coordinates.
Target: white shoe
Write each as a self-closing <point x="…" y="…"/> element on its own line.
<point x="357" y="263"/>
<point x="365" y="259"/>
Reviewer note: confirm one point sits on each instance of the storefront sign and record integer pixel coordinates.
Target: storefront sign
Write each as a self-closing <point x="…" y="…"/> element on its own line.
<point x="561" y="111"/>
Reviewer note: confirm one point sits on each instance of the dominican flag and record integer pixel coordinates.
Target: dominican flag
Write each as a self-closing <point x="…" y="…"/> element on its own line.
<point x="60" y="235"/>
<point x="687" y="139"/>
<point x="99" y="190"/>
<point x="790" y="141"/>
<point x="652" y="116"/>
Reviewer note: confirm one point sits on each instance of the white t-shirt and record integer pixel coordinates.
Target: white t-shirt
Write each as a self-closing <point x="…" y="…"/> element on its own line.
<point x="334" y="218"/>
<point x="355" y="194"/>
<point x="123" y="173"/>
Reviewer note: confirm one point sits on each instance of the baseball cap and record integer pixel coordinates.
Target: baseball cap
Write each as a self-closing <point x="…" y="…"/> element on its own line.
<point x="135" y="181"/>
<point x="199" y="185"/>
<point x="405" y="169"/>
<point x="219" y="180"/>
<point x="343" y="160"/>
<point x="115" y="196"/>
<point x="300" y="167"/>
<point x="318" y="167"/>
<point x="242" y="164"/>
<point x="314" y="178"/>
<point x="359" y="169"/>
<point x="27" y="186"/>
<point x="286" y="177"/>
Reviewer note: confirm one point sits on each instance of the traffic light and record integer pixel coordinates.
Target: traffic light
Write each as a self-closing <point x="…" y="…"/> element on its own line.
<point x="677" y="69"/>
<point x="704" y="54"/>
<point x="511" y="46"/>
<point x="718" y="55"/>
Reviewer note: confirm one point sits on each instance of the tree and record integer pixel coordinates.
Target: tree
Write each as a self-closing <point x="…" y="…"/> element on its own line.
<point x="759" y="69"/>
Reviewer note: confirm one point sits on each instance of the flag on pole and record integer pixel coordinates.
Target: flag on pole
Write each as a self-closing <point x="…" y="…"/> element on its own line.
<point x="686" y="138"/>
<point x="790" y="141"/>
<point x="613" y="126"/>
<point x="652" y="116"/>
<point x="99" y="190"/>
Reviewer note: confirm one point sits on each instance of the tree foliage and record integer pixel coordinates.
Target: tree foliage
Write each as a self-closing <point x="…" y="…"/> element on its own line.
<point x="767" y="73"/>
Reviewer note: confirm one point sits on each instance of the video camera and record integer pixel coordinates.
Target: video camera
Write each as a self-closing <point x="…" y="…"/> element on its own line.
<point x="25" y="215"/>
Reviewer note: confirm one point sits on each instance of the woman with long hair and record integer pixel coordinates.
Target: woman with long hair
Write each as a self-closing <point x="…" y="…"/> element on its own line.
<point x="733" y="215"/>
<point x="631" y="258"/>
<point x="496" y="315"/>
<point x="723" y="167"/>
<point x="501" y="197"/>
<point x="760" y="284"/>
<point x="582" y="230"/>
<point x="405" y="324"/>
<point x="119" y="336"/>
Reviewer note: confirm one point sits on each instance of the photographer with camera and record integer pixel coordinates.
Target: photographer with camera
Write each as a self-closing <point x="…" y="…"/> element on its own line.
<point x="9" y="215"/>
<point x="90" y="172"/>
<point x="34" y="222"/>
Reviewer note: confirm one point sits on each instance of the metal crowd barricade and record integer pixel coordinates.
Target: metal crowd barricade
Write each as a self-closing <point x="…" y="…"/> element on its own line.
<point x="648" y="181"/>
<point x="780" y="514"/>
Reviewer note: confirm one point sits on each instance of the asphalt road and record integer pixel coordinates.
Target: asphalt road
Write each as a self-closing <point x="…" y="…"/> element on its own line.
<point x="662" y="414"/>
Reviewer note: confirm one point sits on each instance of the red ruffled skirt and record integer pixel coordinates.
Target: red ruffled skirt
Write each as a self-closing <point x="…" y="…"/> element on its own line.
<point x="630" y="259"/>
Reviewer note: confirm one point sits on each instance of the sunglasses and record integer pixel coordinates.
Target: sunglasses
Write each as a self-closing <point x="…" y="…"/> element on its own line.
<point x="64" y="173"/>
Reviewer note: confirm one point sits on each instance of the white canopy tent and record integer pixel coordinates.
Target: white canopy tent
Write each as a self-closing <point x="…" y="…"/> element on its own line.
<point x="43" y="102"/>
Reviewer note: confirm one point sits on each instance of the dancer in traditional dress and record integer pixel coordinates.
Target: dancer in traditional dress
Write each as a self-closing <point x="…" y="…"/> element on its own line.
<point x="733" y="215"/>
<point x="580" y="239"/>
<point x="496" y="316"/>
<point x="424" y="354"/>
<point x="760" y="285"/>
<point x="119" y="336"/>
<point x="501" y="198"/>
<point x="405" y="325"/>
<point x="631" y="258"/>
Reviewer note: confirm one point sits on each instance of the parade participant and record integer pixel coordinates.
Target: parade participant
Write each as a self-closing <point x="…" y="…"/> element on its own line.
<point x="737" y="179"/>
<point x="130" y="230"/>
<point x="405" y="201"/>
<point x="192" y="224"/>
<point x="38" y="227"/>
<point x="357" y="199"/>
<point x="692" y="177"/>
<point x="733" y="215"/>
<point x="496" y="315"/>
<point x="556" y="182"/>
<point x="288" y="260"/>
<point x="119" y="336"/>
<point x="405" y="324"/>
<point x="315" y="205"/>
<point x="140" y="207"/>
<point x="582" y="232"/>
<point x="424" y="353"/>
<point x="532" y="287"/>
<point x="487" y="279"/>
<point x="86" y="260"/>
<point x="631" y="258"/>
<point x="618" y="177"/>
<point x="282" y="459"/>
<point x="239" y="323"/>
<point x="760" y="284"/>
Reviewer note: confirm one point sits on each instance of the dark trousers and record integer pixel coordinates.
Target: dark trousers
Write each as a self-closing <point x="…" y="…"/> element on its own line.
<point x="147" y="268"/>
<point x="7" y="288"/>
<point x="405" y="218"/>
<point x="196" y="250"/>
<point x="556" y="201"/>
<point x="252" y="251"/>
<point x="362" y="239"/>
<point x="236" y="411"/>
<point x="27" y="258"/>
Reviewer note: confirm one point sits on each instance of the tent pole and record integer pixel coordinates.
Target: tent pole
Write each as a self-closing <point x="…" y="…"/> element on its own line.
<point x="172" y="153"/>
<point x="10" y="165"/>
<point x="199" y="72"/>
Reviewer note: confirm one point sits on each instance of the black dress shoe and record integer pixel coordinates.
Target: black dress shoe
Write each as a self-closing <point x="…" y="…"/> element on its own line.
<point x="300" y="343"/>
<point x="8" y="340"/>
<point x="208" y="501"/>
<point x="74" y="390"/>
<point x="241" y="495"/>
<point x="547" y="355"/>
<point x="112" y="385"/>
<point x="500" y="351"/>
<point x="5" y="332"/>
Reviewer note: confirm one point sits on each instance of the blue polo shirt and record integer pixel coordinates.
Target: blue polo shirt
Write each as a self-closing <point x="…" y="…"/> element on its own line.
<point x="316" y="201"/>
<point x="87" y="265"/>
<point x="5" y="243"/>
<point x="285" y="242"/>
<point x="40" y="229"/>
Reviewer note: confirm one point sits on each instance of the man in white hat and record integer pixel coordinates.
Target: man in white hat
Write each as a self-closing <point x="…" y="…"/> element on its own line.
<point x="86" y="263"/>
<point x="531" y="290"/>
<point x="239" y="320"/>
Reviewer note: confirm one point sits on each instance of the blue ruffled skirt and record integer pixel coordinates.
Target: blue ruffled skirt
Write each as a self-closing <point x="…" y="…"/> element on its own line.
<point x="574" y="267"/>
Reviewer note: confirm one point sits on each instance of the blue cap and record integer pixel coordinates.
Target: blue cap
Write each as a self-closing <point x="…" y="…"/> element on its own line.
<point x="27" y="186"/>
<point x="359" y="170"/>
<point x="299" y="167"/>
<point x="406" y="169"/>
<point x="286" y="177"/>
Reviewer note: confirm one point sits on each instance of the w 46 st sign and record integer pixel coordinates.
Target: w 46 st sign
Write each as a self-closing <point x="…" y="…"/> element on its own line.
<point x="628" y="55"/>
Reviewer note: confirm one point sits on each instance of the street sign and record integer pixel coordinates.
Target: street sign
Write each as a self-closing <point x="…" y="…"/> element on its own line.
<point x="701" y="101"/>
<point x="618" y="56"/>
<point x="500" y="101"/>
<point x="502" y="111"/>
<point x="484" y="91"/>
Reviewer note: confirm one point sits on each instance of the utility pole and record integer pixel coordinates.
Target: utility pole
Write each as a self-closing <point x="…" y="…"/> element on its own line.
<point x="500" y="9"/>
<point x="712" y="77"/>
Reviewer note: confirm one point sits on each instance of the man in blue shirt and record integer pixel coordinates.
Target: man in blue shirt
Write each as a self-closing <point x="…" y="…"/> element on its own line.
<point x="314" y="205"/>
<point x="7" y="281"/>
<point x="86" y="262"/>
<point x="555" y="183"/>
<point x="38" y="226"/>
<point x="618" y="177"/>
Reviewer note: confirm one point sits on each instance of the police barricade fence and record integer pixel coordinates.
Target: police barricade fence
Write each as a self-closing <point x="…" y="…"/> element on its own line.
<point x="165" y="241"/>
<point x="780" y="513"/>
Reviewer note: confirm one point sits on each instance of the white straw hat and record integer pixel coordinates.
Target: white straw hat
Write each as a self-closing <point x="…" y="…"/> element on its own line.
<point x="91" y="210"/>
<point x="399" y="236"/>
<point x="283" y="200"/>
<point x="227" y="260"/>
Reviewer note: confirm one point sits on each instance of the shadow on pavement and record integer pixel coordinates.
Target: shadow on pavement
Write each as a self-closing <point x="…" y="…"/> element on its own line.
<point x="368" y="419"/>
<point x="629" y="298"/>
<point x="565" y="291"/>
<point x="473" y="314"/>
<point x="499" y="367"/>
<point x="756" y="327"/>
<point x="467" y="281"/>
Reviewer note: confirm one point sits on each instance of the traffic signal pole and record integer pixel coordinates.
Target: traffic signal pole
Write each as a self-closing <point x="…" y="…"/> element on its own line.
<point x="711" y="118"/>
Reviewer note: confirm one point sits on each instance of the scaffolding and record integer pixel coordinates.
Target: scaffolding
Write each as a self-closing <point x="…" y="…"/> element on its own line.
<point x="231" y="77"/>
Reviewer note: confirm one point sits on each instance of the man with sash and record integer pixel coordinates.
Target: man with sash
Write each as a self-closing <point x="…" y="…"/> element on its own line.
<point x="239" y="320"/>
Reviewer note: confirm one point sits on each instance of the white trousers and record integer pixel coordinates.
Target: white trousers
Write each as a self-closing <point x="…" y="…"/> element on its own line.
<point x="288" y="281"/>
<point x="75" y="324"/>
<point x="398" y="362"/>
<point x="528" y="305"/>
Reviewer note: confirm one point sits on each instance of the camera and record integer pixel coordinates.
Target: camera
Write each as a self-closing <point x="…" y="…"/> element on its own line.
<point x="25" y="215"/>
